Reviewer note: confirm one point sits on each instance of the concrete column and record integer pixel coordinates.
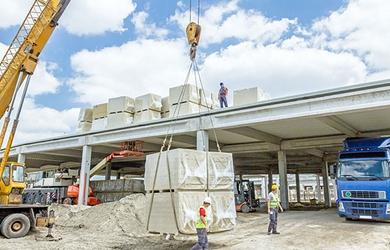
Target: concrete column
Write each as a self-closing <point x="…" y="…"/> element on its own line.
<point x="325" y="178"/>
<point x="21" y="158"/>
<point x="108" y="171"/>
<point x="334" y="189"/>
<point x="283" y="185"/>
<point x="202" y="140"/>
<point x="298" y="186"/>
<point x="84" y="175"/>
<point x="318" y="188"/>
<point x="270" y="181"/>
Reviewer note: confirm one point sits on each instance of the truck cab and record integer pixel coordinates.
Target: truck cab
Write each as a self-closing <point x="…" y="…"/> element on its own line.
<point x="363" y="179"/>
<point x="12" y="183"/>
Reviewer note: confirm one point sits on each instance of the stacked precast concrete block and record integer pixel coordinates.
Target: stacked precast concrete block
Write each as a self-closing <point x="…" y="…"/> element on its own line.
<point x="191" y="99"/>
<point x="85" y="120"/>
<point x="248" y="96"/>
<point x="147" y="108"/>
<point x="120" y="112"/>
<point x="99" y="116"/>
<point x="176" y="183"/>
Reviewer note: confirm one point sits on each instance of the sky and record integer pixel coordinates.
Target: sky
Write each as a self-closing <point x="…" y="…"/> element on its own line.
<point x="104" y="49"/>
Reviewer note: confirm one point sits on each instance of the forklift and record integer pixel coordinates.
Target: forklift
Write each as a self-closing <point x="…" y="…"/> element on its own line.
<point x="245" y="197"/>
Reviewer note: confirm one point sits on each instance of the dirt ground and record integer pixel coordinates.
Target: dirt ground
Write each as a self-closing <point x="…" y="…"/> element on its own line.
<point x="299" y="230"/>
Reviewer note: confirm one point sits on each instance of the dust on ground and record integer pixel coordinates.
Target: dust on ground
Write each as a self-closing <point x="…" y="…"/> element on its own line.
<point x="121" y="225"/>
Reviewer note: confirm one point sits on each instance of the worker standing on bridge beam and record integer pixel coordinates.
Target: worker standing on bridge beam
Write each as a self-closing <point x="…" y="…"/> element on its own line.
<point x="273" y="209"/>
<point x="222" y="94"/>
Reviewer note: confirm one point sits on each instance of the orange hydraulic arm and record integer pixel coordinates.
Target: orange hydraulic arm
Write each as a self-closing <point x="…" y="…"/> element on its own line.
<point x="21" y="58"/>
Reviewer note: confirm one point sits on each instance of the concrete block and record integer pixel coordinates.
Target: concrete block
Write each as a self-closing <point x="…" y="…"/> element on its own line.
<point x="206" y="98"/>
<point x="99" y="124"/>
<point x="120" y="104"/>
<point x="84" y="127"/>
<point x="165" y="114"/>
<point x="221" y="215"/>
<point x="118" y="120"/>
<point x="99" y="111"/>
<point x="148" y="102"/>
<point x="221" y="171"/>
<point x="85" y="115"/>
<point x="185" y="109"/>
<point x="165" y="104"/>
<point x="147" y="115"/>
<point x="190" y="93"/>
<point x="248" y="96"/>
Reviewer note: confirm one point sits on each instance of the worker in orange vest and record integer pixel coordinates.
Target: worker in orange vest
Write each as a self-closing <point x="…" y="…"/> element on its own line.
<point x="201" y="226"/>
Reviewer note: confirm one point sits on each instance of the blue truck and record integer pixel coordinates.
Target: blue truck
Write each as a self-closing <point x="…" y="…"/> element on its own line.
<point x="363" y="179"/>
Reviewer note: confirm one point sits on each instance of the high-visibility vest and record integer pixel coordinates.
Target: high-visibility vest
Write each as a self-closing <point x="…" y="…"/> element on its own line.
<point x="274" y="202"/>
<point x="199" y="223"/>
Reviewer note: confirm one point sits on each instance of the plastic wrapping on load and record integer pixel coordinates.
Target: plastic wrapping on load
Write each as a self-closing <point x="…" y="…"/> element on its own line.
<point x="148" y="102"/>
<point x="85" y="115"/>
<point x="165" y="114"/>
<point x="188" y="170"/>
<point x="185" y="109"/>
<point x="147" y="115"/>
<point x="215" y="101"/>
<point x="221" y="215"/>
<point x="206" y="98"/>
<point x="248" y="96"/>
<point x="166" y="104"/>
<point x="84" y="127"/>
<point x="99" y="111"/>
<point x="190" y="94"/>
<point x="221" y="170"/>
<point x="99" y="124"/>
<point x="120" y="104"/>
<point x="118" y="120"/>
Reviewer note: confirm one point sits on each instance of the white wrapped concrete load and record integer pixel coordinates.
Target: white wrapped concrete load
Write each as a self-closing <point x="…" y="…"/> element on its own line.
<point x="248" y="96"/>
<point x="205" y="98"/>
<point x="84" y="127"/>
<point x="188" y="170"/>
<point x="189" y="92"/>
<point x="85" y="115"/>
<point x="99" y="124"/>
<point x="99" y="111"/>
<point x="166" y="105"/>
<point x="120" y="104"/>
<point x="146" y="116"/>
<point x="186" y="109"/>
<point x="118" y="120"/>
<point x="148" y="102"/>
<point x="215" y="100"/>
<point x="221" y="214"/>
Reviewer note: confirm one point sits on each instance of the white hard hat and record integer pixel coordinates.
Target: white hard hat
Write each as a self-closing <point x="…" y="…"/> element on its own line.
<point x="207" y="200"/>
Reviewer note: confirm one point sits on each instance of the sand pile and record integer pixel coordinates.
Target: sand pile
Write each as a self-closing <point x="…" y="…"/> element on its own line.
<point x="126" y="216"/>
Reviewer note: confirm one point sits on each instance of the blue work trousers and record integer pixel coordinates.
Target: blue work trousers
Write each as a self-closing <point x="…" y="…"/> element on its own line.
<point x="273" y="220"/>
<point x="223" y="101"/>
<point x="203" y="242"/>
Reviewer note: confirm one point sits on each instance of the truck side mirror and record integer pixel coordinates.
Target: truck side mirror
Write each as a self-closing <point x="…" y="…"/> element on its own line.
<point x="333" y="171"/>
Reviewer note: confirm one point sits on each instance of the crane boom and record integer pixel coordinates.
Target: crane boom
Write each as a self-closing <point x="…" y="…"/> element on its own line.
<point x="27" y="45"/>
<point x="19" y="63"/>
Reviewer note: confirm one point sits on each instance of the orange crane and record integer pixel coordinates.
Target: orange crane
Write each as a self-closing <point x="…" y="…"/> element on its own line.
<point x="16" y="69"/>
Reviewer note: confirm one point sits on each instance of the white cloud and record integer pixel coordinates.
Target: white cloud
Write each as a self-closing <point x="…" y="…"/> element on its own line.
<point x="94" y="17"/>
<point x="39" y="122"/>
<point x="135" y="68"/>
<point x="281" y="71"/>
<point x="12" y="12"/>
<point x="145" y="29"/>
<point x="362" y="27"/>
<point x="227" y="20"/>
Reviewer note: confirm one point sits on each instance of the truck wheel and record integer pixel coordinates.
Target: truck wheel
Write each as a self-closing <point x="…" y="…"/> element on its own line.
<point x="15" y="226"/>
<point x="245" y="208"/>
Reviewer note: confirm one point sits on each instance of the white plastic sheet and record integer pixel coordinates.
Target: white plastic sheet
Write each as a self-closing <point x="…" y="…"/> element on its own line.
<point x="99" y="111"/>
<point x="248" y="96"/>
<point x="120" y="104"/>
<point x="118" y="120"/>
<point x="189" y="94"/>
<point x="147" y="115"/>
<point x="84" y="127"/>
<point x="99" y="124"/>
<point x="185" y="109"/>
<point x="85" y="115"/>
<point x="148" y="102"/>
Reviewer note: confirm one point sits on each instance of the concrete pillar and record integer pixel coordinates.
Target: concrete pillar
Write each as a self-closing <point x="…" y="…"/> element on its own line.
<point x="84" y="175"/>
<point x="298" y="186"/>
<point x="270" y="181"/>
<point x="21" y="158"/>
<point x="283" y="185"/>
<point x="318" y="188"/>
<point x="334" y="189"/>
<point x="325" y="179"/>
<point x="202" y="140"/>
<point x="108" y="171"/>
<point x="263" y="187"/>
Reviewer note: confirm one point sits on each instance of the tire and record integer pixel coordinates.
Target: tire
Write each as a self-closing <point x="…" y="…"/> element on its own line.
<point x="245" y="208"/>
<point x="15" y="226"/>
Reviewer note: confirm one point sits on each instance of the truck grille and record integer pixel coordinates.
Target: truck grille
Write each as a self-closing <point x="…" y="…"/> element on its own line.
<point x="351" y="194"/>
<point x="365" y="212"/>
<point x="365" y="208"/>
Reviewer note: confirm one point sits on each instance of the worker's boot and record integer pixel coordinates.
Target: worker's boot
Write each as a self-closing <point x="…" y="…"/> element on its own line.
<point x="275" y="232"/>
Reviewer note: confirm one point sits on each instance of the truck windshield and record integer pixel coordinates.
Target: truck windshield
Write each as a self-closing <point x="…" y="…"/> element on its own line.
<point x="18" y="173"/>
<point x="363" y="169"/>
